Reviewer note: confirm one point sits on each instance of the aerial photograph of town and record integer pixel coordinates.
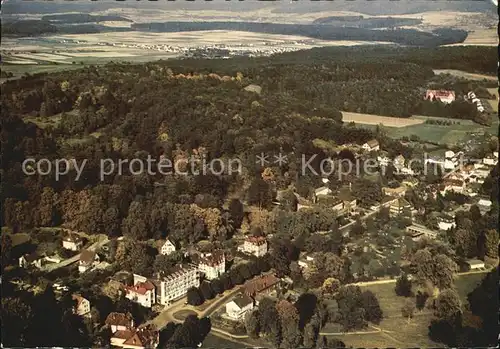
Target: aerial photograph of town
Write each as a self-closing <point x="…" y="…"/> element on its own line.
<point x="249" y="174"/>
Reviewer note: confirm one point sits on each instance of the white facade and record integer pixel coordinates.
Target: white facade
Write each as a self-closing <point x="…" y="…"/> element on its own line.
<point x="449" y="164"/>
<point x="322" y="191"/>
<point x="143" y="291"/>
<point x="475" y="264"/>
<point x="446" y="225"/>
<point x="449" y="154"/>
<point x="176" y="285"/>
<point x="83" y="306"/>
<point x="72" y="245"/>
<point x="167" y="248"/>
<point x="256" y="246"/>
<point x="212" y="266"/>
<point x="237" y="309"/>
<point x="490" y="161"/>
<point x="371" y="146"/>
<point x="85" y="264"/>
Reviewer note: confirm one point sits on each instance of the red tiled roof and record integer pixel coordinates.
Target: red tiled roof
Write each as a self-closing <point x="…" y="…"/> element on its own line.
<point x="119" y="319"/>
<point x="141" y="287"/>
<point x="123" y="334"/>
<point x="256" y="240"/>
<point x="259" y="284"/>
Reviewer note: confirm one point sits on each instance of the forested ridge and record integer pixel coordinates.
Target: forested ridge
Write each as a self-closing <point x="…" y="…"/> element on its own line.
<point x="194" y="107"/>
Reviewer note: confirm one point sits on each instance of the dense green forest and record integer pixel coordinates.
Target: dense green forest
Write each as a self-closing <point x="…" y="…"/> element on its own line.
<point x="39" y="27"/>
<point x="182" y="108"/>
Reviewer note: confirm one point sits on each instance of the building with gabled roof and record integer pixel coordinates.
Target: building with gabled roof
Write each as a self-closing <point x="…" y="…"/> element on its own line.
<point x="371" y="145"/>
<point x="167" y="248"/>
<point x="255" y="245"/>
<point x="140" y="338"/>
<point x="72" y="242"/>
<point x="82" y="306"/>
<point x="88" y="260"/>
<point x="400" y="206"/>
<point x="211" y="265"/>
<point x="237" y="308"/>
<point x="264" y="284"/>
<point x="31" y="259"/>
<point x="142" y="292"/>
<point x="120" y="321"/>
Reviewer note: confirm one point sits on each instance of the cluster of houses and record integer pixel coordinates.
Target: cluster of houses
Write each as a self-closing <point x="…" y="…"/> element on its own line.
<point x="471" y="96"/>
<point x="249" y="296"/>
<point x="166" y="288"/>
<point x="125" y="335"/>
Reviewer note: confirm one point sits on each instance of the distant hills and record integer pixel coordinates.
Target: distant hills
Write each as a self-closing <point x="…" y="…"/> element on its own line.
<point x="378" y="7"/>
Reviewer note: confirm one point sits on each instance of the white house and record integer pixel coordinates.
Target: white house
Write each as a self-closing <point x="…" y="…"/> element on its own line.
<point x="371" y="145"/>
<point x="449" y="164"/>
<point x="256" y="245"/>
<point x="475" y="264"/>
<point x="446" y="224"/>
<point x="88" y="260"/>
<point x="212" y="265"/>
<point x="441" y="95"/>
<point x="484" y="205"/>
<point x="239" y="306"/>
<point x="72" y="242"/>
<point x="416" y="231"/>
<point x="32" y="259"/>
<point x="176" y="284"/>
<point x="82" y="306"/>
<point x="167" y="248"/>
<point x="490" y="161"/>
<point x="143" y="293"/>
<point x="120" y="321"/>
<point x="322" y="191"/>
<point x="399" y="162"/>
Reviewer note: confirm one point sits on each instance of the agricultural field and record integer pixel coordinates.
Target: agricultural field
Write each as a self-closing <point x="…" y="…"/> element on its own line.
<point x="465" y="75"/>
<point x="370" y="119"/>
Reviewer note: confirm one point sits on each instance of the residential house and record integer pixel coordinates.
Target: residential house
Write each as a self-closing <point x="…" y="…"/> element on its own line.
<point x="490" y="161"/>
<point x="88" y="260"/>
<point x="449" y="154"/>
<point x="261" y="285"/>
<point x="454" y="185"/>
<point x="255" y="245"/>
<point x="484" y="205"/>
<point x="371" y="145"/>
<point x="176" y="284"/>
<point x="167" y="248"/>
<point x="399" y="207"/>
<point x="321" y="191"/>
<point x="440" y="95"/>
<point x="32" y="259"/>
<point x="140" y="338"/>
<point x="120" y="321"/>
<point x="142" y="292"/>
<point x="446" y="224"/>
<point x="397" y="192"/>
<point x="82" y="306"/>
<point x="417" y="231"/>
<point x="237" y="308"/>
<point x="72" y="242"/>
<point x="475" y="264"/>
<point x="211" y="265"/>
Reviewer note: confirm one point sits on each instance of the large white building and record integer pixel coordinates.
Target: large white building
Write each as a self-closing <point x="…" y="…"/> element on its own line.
<point x="176" y="284"/>
<point x="211" y="265"/>
<point x="417" y="231"/>
<point x="256" y="245"/>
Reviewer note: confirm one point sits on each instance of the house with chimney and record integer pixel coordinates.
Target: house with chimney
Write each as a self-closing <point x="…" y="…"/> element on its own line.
<point x="82" y="306"/>
<point x="88" y="260"/>
<point x="142" y="292"/>
<point x="119" y="321"/>
<point x="141" y="338"/>
<point x="254" y="245"/>
<point x="239" y="306"/>
<point x="260" y="286"/>
<point x="72" y="242"/>
<point x="211" y="265"/>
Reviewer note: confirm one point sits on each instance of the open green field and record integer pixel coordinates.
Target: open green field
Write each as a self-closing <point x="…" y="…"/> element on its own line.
<point x="438" y="133"/>
<point x="397" y="332"/>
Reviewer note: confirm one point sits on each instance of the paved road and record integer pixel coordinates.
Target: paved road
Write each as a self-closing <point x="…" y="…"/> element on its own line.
<point x="96" y="245"/>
